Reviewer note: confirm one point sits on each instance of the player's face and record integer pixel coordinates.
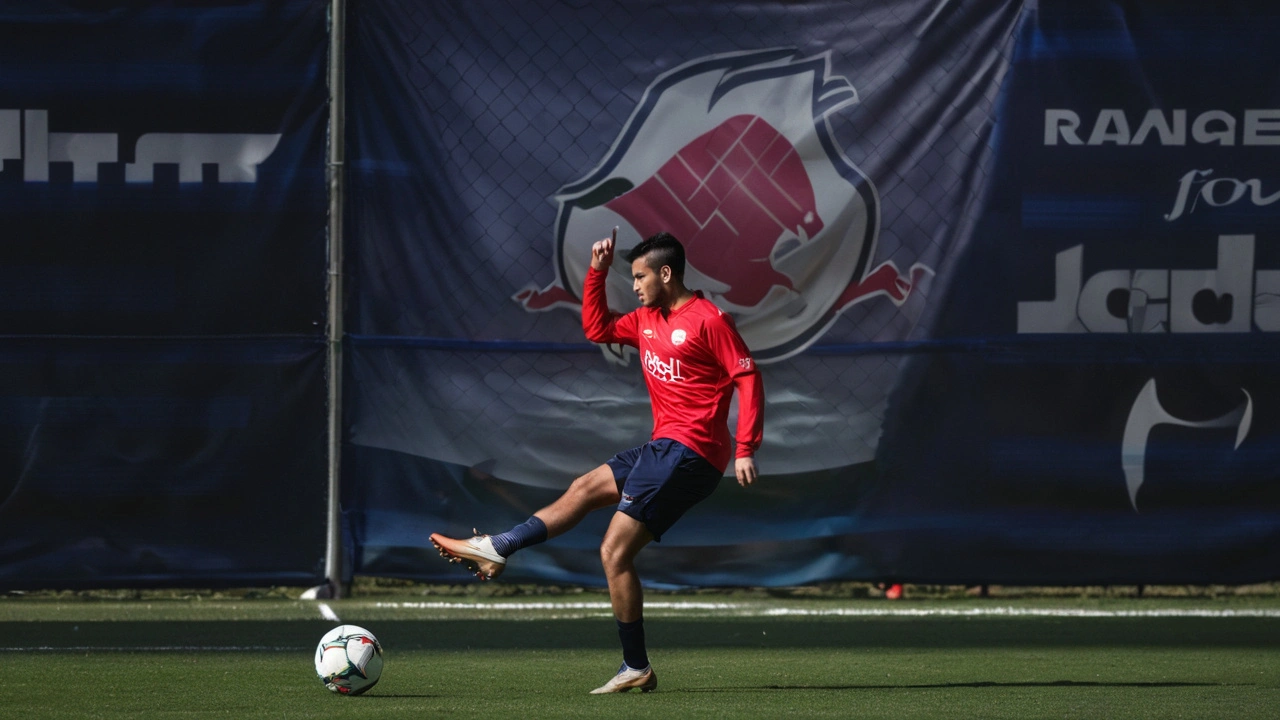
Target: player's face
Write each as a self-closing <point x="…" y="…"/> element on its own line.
<point x="647" y="282"/>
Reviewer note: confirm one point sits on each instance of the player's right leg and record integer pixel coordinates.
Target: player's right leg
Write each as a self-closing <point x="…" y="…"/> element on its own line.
<point x="593" y="491"/>
<point x="486" y="556"/>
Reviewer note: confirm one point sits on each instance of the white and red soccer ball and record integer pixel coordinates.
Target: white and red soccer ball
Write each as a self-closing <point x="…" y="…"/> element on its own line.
<point x="349" y="660"/>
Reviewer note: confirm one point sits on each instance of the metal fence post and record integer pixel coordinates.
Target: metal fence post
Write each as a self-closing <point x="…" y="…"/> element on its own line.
<point x="333" y="561"/>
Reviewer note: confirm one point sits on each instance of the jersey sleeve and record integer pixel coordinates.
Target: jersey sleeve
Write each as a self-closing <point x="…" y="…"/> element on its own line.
<point x="600" y="324"/>
<point x="734" y="356"/>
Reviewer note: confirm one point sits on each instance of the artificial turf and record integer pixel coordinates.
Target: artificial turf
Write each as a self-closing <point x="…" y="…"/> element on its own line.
<point x="253" y="659"/>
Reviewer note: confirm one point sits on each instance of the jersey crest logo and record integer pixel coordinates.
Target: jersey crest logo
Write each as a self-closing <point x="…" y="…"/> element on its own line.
<point x="678" y="336"/>
<point x="734" y="155"/>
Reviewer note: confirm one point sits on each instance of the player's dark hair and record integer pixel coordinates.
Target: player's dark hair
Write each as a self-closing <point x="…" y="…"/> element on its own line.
<point x="660" y="249"/>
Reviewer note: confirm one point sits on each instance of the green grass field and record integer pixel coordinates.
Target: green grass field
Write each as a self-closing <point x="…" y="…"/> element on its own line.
<point x="716" y="656"/>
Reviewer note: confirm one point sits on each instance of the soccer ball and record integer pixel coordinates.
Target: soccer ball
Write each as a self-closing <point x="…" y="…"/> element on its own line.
<point x="349" y="660"/>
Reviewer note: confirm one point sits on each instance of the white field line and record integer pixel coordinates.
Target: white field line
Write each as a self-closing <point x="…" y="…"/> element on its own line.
<point x="327" y="612"/>
<point x="701" y="609"/>
<point x="154" y="648"/>
<point x="756" y="610"/>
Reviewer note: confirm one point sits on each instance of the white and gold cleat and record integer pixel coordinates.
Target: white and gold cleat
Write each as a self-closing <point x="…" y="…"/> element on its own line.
<point x="627" y="679"/>
<point x="476" y="553"/>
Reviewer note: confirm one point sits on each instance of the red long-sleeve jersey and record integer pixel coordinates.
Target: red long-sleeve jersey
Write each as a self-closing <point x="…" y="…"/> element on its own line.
<point x="692" y="360"/>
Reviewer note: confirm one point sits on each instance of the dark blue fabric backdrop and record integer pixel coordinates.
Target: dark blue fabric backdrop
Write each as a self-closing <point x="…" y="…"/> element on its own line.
<point x="1051" y="364"/>
<point x="1009" y="269"/>
<point x="1102" y="406"/>
<point x="490" y="143"/>
<point x="162" y="282"/>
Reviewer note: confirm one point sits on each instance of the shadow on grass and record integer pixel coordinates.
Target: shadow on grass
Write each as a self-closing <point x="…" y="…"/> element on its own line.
<point x="949" y="686"/>
<point x="765" y="633"/>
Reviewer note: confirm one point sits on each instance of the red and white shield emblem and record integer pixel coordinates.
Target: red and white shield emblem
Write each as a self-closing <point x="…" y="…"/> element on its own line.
<point x="734" y="156"/>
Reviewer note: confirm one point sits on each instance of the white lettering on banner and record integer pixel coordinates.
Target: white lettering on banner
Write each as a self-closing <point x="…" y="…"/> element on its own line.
<point x="24" y="135"/>
<point x="1111" y="126"/>
<point x="1233" y="298"/>
<point x="10" y="136"/>
<point x="1218" y="192"/>
<point x="1148" y="413"/>
<point x="664" y="371"/>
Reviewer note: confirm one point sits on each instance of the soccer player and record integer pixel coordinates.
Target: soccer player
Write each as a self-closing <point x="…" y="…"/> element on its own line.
<point x="693" y="359"/>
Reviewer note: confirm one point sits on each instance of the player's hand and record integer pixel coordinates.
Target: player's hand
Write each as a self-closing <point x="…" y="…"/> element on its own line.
<point x="602" y="254"/>
<point x="745" y="469"/>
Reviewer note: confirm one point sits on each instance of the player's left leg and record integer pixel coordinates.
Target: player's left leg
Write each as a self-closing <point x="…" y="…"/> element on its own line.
<point x="486" y="555"/>
<point x="592" y="491"/>
<point x="623" y="540"/>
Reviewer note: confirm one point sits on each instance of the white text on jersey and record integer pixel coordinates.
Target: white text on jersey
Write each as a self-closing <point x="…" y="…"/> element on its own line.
<point x="664" y="371"/>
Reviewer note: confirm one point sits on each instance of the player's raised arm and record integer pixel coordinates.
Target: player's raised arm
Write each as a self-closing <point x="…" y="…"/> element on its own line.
<point x="600" y="324"/>
<point x="602" y="252"/>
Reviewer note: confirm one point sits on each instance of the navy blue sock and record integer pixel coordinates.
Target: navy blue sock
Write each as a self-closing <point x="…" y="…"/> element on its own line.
<point x="633" y="651"/>
<point x="529" y="532"/>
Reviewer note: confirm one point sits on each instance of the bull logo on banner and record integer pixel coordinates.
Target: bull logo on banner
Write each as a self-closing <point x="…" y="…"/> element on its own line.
<point x="733" y="154"/>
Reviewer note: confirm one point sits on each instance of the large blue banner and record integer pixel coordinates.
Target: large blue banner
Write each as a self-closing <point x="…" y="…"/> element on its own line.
<point x="162" y="283"/>
<point x="1099" y="404"/>
<point x="1009" y="272"/>
<point x="823" y="164"/>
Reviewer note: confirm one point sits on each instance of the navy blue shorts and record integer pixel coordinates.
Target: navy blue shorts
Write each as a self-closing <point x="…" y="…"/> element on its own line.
<point x="660" y="480"/>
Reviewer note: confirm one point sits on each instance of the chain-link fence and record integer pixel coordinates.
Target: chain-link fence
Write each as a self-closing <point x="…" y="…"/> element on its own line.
<point x="479" y="127"/>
